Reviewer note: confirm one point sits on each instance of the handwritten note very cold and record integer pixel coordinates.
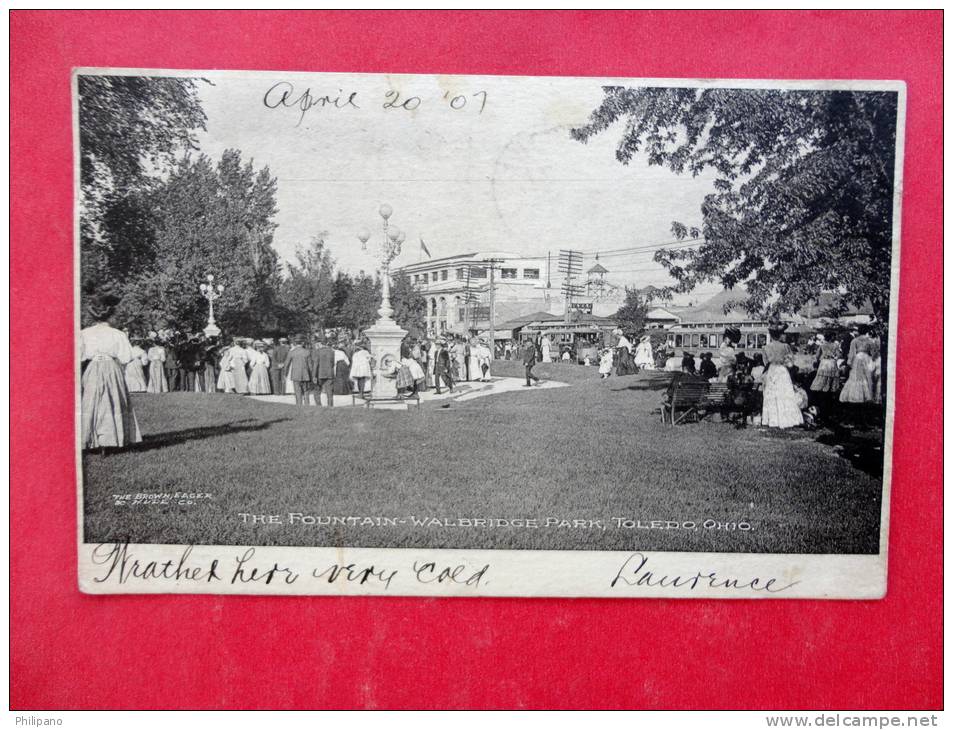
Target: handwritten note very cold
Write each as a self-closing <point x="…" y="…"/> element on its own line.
<point x="250" y="569"/>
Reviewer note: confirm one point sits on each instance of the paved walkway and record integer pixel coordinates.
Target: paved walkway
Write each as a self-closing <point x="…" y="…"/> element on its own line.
<point x="461" y="392"/>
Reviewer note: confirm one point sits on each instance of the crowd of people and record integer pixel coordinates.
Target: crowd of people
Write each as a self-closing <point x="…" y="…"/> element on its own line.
<point x="326" y="364"/>
<point x="316" y="367"/>
<point x="785" y="385"/>
<point x="791" y="384"/>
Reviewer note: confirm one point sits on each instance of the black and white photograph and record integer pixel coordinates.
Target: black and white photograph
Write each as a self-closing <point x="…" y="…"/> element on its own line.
<point x="484" y="335"/>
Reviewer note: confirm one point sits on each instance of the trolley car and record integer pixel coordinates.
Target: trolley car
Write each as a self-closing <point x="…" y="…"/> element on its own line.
<point x="699" y="337"/>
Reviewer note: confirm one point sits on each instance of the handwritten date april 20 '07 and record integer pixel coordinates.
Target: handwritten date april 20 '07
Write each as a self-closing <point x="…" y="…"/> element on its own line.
<point x="284" y="95"/>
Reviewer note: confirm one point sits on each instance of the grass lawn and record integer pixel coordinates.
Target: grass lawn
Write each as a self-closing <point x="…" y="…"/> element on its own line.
<point x="594" y="452"/>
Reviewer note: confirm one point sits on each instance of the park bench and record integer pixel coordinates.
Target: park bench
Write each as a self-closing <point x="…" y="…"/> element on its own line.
<point x="370" y="402"/>
<point x="693" y="399"/>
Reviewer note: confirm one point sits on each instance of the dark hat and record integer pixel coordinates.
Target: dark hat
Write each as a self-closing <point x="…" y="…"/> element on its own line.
<point x="777" y="328"/>
<point x="101" y="306"/>
<point x="733" y="334"/>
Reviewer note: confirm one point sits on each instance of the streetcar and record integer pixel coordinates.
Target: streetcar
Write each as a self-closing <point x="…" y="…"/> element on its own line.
<point x="698" y="337"/>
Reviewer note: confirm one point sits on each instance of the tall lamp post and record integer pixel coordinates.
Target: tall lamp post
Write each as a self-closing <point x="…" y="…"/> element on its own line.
<point x="385" y="335"/>
<point x="211" y="293"/>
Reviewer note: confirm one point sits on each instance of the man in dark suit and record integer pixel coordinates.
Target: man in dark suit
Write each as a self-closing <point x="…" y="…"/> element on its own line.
<point x="441" y="366"/>
<point x="529" y="361"/>
<point x="276" y="370"/>
<point x="298" y="367"/>
<point x="171" y="366"/>
<point x="190" y="359"/>
<point x="322" y="372"/>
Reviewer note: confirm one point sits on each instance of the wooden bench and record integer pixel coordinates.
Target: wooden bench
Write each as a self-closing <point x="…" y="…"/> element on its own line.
<point x="687" y="396"/>
<point x="693" y="399"/>
<point x="369" y="401"/>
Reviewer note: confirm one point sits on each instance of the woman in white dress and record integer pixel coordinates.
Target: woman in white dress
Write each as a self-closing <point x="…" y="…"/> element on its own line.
<point x="134" y="373"/>
<point x="484" y="358"/>
<point x="360" y="368"/>
<point x="544" y="348"/>
<point x="259" y="382"/>
<point x="237" y="359"/>
<point x="108" y="419"/>
<point x="225" y="383"/>
<point x="157" y="381"/>
<point x="644" y="357"/>
<point x="416" y="372"/>
<point x="473" y="360"/>
<point x="726" y="355"/>
<point x="781" y="408"/>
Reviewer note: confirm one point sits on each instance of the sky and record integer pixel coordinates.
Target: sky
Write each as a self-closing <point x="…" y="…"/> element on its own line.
<point x="498" y="173"/>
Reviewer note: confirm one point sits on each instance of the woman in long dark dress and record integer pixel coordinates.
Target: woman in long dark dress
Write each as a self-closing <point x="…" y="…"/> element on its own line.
<point x="342" y="371"/>
<point x="859" y="387"/>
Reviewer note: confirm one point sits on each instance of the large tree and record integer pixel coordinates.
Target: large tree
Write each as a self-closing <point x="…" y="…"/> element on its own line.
<point x="363" y="300"/>
<point x="131" y="129"/>
<point x="308" y="289"/>
<point x="207" y="219"/>
<point x="803" y="196"/>
<point x="631" y="315"/>
<point x="410" y="307"/>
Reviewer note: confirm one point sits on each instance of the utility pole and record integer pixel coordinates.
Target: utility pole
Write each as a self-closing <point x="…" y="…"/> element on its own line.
<point x="466" y="304"/>
<point x="492" y="313"/>
<point x="570" y="264"/>
<point x="549" y="259"/>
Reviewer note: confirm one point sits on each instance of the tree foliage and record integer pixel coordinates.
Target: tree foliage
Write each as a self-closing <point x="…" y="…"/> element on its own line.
<point x="207" y="218"/>
<point x="361" y="303"/>
<point x="308" y="289"/>
<point x="130" y="130"/>
<point x="410" y="307"/>
<point x="155" y="219"/>
<point x="631" y="315"/>
<point x="803" y="197"/>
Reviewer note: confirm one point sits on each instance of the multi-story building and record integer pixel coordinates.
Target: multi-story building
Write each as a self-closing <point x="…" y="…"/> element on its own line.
<point x="457" y="289"/>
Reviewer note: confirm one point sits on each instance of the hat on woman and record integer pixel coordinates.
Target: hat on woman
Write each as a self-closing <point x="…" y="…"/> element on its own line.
<point x="776" y="328"/>
<point x="733" y="334"/>
<point x="101" y="306"/>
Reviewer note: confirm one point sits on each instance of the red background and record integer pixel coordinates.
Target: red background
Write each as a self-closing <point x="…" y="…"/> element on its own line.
<point x="75" y="651"/>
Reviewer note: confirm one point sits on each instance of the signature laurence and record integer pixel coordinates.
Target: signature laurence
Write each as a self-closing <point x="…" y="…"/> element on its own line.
<point x="634" y="572"/>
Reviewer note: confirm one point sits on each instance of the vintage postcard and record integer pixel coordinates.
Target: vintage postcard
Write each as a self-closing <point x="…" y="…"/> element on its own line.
<point x="431" y="335"/>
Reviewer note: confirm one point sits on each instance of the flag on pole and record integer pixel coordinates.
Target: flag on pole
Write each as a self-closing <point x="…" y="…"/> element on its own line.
<point x="423" y="247"/>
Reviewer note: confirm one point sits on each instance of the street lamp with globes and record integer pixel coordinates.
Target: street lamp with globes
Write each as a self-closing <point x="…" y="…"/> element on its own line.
<point x="211" y="293"/>
<point x="392" y="239"/>
<point x="385" y="336"/>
